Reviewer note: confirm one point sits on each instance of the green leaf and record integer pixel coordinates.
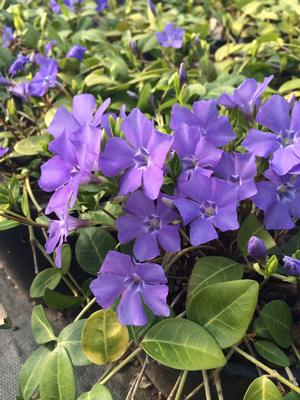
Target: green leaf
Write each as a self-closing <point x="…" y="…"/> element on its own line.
<point x="292" y="245"/>
<point x="40" y="326"/>
<point x="31" y="372"/>
<point x="98" y="392"/>
<point x="98" y="78"/>
<point x="70" y="339"/>
<point x="182" y="344"/>
<point x="103" y="338"/>
<point x="271" y="352"/>
<point x="292" y="396"/>
<point x="210" y="270"/>
<point x="48" y="278"/>
<point x="289" y="86"/>
<point x="58" y="382"/>
<point x="252" y="227"/>
<point x="144" y="97"/>
<point x="262" y="388"/>
<point x="227" y="315"/>
<point x="91" y="248"/>
<point x="59" y="301"/>
<point x="277" y="317"/>
<point x="66" y="258"/>
<point x="6" y="224"/>
<point x="260" y="329"/>
<point x="33" y="145"/>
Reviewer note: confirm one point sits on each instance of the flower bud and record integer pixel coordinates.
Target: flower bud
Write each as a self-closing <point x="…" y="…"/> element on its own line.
<point x="257" y="248"/>
<point x="291" y="265"/>
<point x="183" y="78"/>
<point x="152" y="7"/>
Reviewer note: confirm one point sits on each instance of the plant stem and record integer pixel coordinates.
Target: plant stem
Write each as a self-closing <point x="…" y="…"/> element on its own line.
<point x="218" y="386"/>
<point x="206" y="385"/>
<point x="180" y="254"/>
<point x="270" y="371"/>
<point x="297" y="354"/>
<point x="31" y="195"/>
<point x="85" y="309"/>
<point x="121" y="365"/>
<point x="181" y="385"/>
<point x="171" y="395"/>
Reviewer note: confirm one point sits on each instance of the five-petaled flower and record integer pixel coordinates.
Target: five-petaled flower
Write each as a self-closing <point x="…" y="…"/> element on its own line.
<point x="279" y="198"/>
<point x="210" y="203"/>
<point x="149" y="222"/>
<point x="140" y="158"/>
<point x="171" y="36"/>
<point x="284" y="143"/>
<point x="136" y="283"/>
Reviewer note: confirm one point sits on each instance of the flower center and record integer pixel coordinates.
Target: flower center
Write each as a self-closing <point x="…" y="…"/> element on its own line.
<point x="286" y="192"/>
<point x="189" y="163"/>
<point x="141" y="158"/>
<point x="286" y="137"/>
<point x="234" y="179"/>
<point x="208" y="209"/>
<point x="152" y="224"/>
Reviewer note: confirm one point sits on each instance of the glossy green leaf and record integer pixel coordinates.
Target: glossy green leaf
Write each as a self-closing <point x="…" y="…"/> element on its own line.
<point x="70" y="339"/>
<point x="57" y="381"/>
<point x="252" y="227"/>
<point x="277" y="317"/>
<point x="262" y="388"/>
<point x="289" y="86"/>
<point x="59" y="301"/>
<point x="227" y="315"/>
<point x="98" y="392"/>
<point x="210" y="270"/>
<point x="91" y="248"/>
<point x="31" y="372"/>
<point x="292" y="396"/>
<point x="40" y="326"/>
<point x="48" y="278"/>
<point x="6" y="224"/>
<point x="271" y="352"/>
<point x="260" y="329"/>
<point x="182" y="344"/>
<point x="32" y="145"/>
<point x="103" y="338"/>
<point x="66" y="258"/>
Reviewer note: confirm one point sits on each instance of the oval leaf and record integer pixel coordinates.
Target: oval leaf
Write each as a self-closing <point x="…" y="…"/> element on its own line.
<point x="271" y="352"/>
<point x="98" y="392"/>
<point x="91" y="248"/>
<point x="228" y="315"/>
<point x="40" y="326"/>
<point x="210" y="270"/>
<point x="260" y="329"/>
<point x="182" y="344"/>
<point x="277" y="317"/>
<point x="58" y="382"/>
<point x="103" y="338"/>
<point x="48" y="278"/>
<point x="262" y="389"/>
<point x="59" y="301"/>
<point x="33" y="145"/>
<point x="70" y="339"/>
<point x="31" y="372"/>
<point x="252" y="227"/>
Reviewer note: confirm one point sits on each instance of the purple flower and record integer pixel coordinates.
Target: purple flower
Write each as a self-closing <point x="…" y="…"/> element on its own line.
<point x="21" y="90"/>
<point x="82" y="114"/>
<point x="256" y="248"/>
<point x="171" y="36"/>
<point x="76" y="148"/>
<point x="55" y="7"/>
<point x="150" y="224"/>
<point x="284" y="142"/>
<point x="246" y="97"/>
<point x="183" y="77"/>
<point x="291" y="265"/>
<point x="239" y="169"/>
<point x="216" y="129"/>
<point x="44" y="79"/>
<point x="58" y="231"/>
<point x="4" y="81"/>
<point x="136" y="283"/>
<point x="7" y="36"/>
<point x="140" y="158"/>
<point x="211" y="203"/>
<point x="77" y="52"/>
<point x="279" y="198"/>
<point x="3" y="151"/>
<point x="196" y="154"/>
<point x="101" y="5"/>
<point x="18" y="64"/>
